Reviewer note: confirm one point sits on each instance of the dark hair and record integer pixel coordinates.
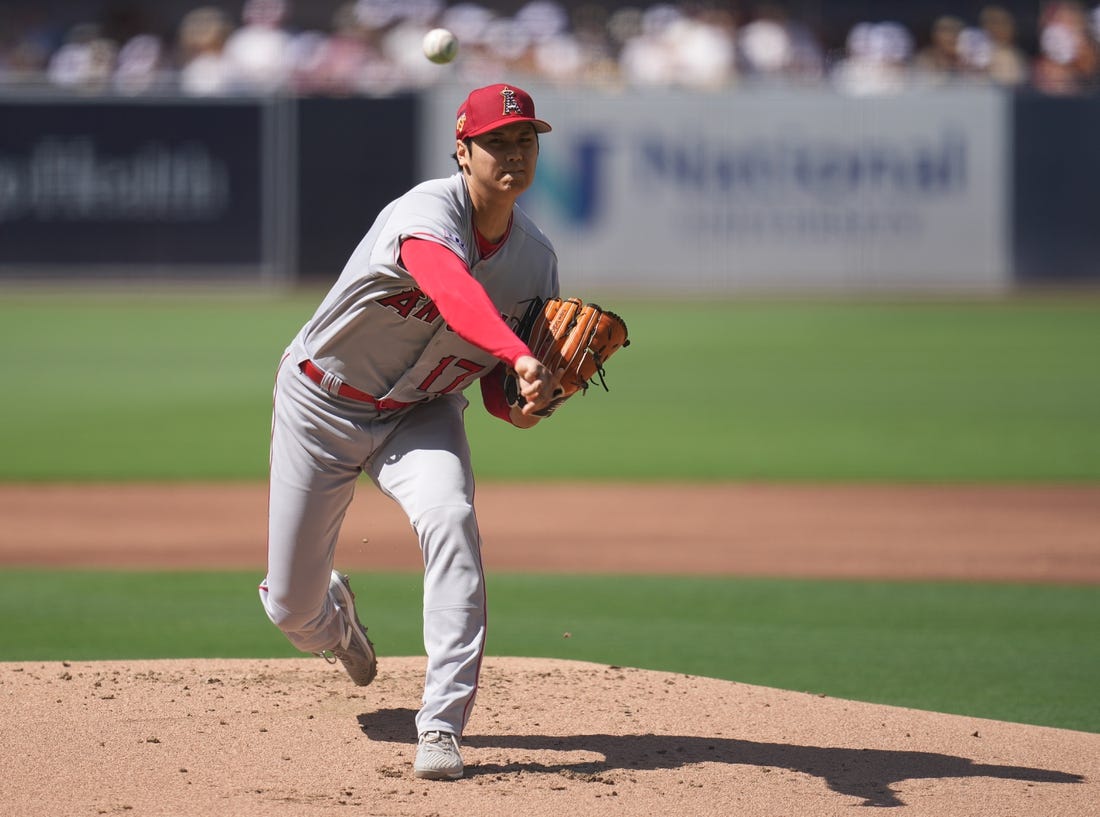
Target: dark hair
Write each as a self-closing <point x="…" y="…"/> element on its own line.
<point x="466" y="142"/>
<point x="469" y="140"/>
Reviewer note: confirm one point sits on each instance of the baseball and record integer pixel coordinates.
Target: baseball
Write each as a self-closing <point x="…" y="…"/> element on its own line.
<point x="440" y="45"/>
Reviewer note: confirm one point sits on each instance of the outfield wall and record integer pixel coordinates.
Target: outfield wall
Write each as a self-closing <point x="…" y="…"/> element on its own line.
<point x="94" y="186"/>
<point x="245" y="190"/>
<point x="773" y="190"/>
<point x="968" y="189"/>
<point x="1056" y="189"/>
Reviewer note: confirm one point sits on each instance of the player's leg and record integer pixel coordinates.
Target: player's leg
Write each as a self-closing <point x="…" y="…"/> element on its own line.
<point x="312" y="481"/>
<point x="425" y="466"/>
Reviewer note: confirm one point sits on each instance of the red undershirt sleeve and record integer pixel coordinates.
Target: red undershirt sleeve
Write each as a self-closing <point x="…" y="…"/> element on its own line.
<point x="492" y="394"/>
<point x="461" y="300"/>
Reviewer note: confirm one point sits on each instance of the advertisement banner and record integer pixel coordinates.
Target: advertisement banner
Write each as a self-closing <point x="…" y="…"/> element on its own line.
<point x="100" y="187"/>
<point x="354" y="156"/>
<point x="677" y="191"/>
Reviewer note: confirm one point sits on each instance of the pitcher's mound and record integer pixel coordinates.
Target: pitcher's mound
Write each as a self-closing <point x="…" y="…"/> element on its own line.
<point x="294" y="737"/>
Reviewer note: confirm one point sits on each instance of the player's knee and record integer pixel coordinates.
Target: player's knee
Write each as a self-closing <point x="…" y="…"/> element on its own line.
<point x="451" y="545"/>
<point x="291" y="622"/>
<point x="286" y="617"/>
<point x="452" y="521"/>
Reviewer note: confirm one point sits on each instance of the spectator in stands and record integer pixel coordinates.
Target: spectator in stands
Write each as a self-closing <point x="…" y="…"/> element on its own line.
<point x="764" y="47"/>
<point x="470" y="23"/>
<point x="877" y="60"/>
<point x="772" y="46"/>
<point x="401" y="45"/>
<point x="1007" y="63"/>
<point x="339" y="63"/>
<point x="372" y="47"/>
<point x="204" y="70"/>
<point x="705" y="49"/>
<point x="23" y="60"/>
<point x="940" y="62"/>
<point x="26" y="42"/>
<point x="555" y="54"/>
<point x="258" y="54"/>
<point x="645" y="57"/>
<point x="1068" y="62"/>
<point x="675" y="49"/>
<point x="592" y="32"/>
<point x="85" y="62"/>
<point x="139" y="68"/>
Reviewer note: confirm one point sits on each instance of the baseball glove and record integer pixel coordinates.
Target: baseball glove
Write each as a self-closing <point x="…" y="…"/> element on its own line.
<point x="575" y="337"/>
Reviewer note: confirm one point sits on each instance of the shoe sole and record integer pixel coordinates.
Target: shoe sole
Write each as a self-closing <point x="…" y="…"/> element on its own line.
<point x="432" y="774"/>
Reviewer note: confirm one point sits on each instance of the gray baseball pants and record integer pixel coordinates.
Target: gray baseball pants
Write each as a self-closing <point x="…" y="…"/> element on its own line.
<point x="419" y="457"/>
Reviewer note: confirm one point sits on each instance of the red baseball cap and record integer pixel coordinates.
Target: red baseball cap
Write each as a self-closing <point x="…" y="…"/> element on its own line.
<point x="495" y="106"/>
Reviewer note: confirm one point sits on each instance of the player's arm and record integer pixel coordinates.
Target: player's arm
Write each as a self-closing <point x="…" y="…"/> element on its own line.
<point x="496" y="402"/>
<point x="467" y="308"/>
<point x="463" y="302"/>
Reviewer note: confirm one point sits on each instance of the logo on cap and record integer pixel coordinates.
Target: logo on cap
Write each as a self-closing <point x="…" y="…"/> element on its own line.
<point x="511" y="104"/>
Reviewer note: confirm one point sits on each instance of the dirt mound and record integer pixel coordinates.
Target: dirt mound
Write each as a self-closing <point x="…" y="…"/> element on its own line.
<point x="294" y="737"/>
<point x="1001" y="533"/>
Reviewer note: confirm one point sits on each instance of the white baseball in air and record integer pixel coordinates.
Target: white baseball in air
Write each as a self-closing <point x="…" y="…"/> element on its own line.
<point x="440" y="46"/>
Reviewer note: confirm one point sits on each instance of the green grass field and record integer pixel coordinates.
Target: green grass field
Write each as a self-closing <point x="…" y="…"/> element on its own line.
<point x="163" y="388"/>
<point x="1024" y="654"/>
<point x="178" y="388"/>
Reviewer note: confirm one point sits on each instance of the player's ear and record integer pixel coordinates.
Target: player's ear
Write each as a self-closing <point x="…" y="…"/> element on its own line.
<point x="462" y="153"/>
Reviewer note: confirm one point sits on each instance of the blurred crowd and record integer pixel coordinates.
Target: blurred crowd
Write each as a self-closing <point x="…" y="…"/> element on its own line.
<point x="372" y="47"/>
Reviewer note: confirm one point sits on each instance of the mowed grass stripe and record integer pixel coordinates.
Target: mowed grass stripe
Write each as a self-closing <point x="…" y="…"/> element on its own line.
<point x="180" y="389"/>
<point x="1023" y="653"/>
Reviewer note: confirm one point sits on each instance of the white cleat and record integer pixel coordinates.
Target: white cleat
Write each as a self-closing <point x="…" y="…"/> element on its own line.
<point x="437" y="757"/>
<point x="355" y="650"/>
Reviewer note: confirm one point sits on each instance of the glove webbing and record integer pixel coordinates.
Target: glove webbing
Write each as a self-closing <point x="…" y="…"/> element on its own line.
<point x="563" y="338"/>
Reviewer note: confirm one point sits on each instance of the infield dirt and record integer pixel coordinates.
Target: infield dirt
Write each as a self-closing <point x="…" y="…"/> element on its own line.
<point x="294" y="737"/>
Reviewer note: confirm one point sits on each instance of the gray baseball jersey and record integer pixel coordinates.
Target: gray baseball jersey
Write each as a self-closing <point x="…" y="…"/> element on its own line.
<point x="379" y="335"/>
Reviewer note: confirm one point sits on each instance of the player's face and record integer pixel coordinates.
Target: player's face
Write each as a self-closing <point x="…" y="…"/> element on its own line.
<point x="504" y="159"/>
